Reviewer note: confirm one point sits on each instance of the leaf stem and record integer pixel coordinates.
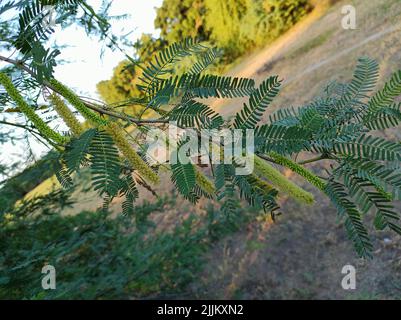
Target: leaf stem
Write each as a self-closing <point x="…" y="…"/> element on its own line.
<point x="20" y="65"/>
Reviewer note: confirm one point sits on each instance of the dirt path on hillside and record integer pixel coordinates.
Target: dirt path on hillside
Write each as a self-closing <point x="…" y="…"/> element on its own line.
<point x="315" y="66"/>
<point x="272" y="58"/>
<point x="250" y="65"/>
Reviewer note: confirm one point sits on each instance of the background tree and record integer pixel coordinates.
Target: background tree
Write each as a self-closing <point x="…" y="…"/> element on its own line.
<point x="147" y="45"/>
<point x="241" y="25"/>
<point x="235" y="26"/>
<point x="179" y="19"/>
<point x="121" y="86"/>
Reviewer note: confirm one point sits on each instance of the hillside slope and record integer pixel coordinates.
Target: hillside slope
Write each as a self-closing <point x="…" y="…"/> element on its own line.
<point x="302" y="255"/>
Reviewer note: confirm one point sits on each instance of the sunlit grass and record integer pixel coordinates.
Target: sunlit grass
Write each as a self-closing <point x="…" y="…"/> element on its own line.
<point x="45" y="187"/>
<point x="312" y="44"/>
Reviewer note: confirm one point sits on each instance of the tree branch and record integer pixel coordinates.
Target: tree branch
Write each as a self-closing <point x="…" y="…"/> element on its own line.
<point x="18" y="64"/>
<point x="262" y="156"/>
<point x="92" y="106"/>
<point x="318" y="158"/>
<point x="19" y="126"/>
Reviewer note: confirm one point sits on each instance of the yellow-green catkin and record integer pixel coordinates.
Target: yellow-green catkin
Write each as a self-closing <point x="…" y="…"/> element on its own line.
<point x="204" y="183"/>
<point x="295" y="167"/>
<point x="261" y="184"/>
<point x="72" y="98"/>
<point x="264" y="169"/>
<point x="66" y="114"/>
<point x="23" y="106"/>
<point x="118" y="136"/>
<point x="113" y="129"/>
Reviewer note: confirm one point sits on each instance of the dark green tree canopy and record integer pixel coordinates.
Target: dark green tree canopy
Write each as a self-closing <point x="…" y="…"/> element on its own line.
<point x="121" y="86"/>
<point x="179" y="19"/>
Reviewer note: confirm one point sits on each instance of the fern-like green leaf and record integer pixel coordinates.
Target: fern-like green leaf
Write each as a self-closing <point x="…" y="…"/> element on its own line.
<point x="162" y="64"/>
<point x="386" y="96"/>
<point x="256" y="192"/>
<point x="63" y="174"/>
<point x="382" y="176"/>
<point x="367" y="195"/>
<point x="195" y="114"/>
<point x="129" y="190"/>
<point x="384" y="118"/>
<point x="200" y="86"/>
<point x="259" y="100"/>
<point x="363" y="82"/>
<point x="353" y="220"/>
<point x="206" y="59"/>
<point x="310" y="119"/>
<point x="77" y="151"/>
<point x="32" y="31"/>
<point x="369" y="147"/>
<point x="183" y="176"/>
<point x="281" y="139"/>
<point x="105" y="164"/>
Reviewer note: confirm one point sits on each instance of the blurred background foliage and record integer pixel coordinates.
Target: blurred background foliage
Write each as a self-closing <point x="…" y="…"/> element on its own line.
<point x="102" y="256"/>
<point x="235" y="26"/>
<point x="17" y="186"/>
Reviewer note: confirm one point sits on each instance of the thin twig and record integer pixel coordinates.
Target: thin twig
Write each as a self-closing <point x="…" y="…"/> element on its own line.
<point x="143" y="183"/>
<point x="92" y="106"/>
<point x="19" y="126"/>
<point x="266" y="158"/>
<point x="318" y="158"/>
<point x="324" y="156"/>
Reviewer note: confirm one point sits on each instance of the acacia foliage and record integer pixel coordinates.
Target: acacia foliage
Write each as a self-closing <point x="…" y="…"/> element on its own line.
<point x="364" y="176"/>
<point x="365" y="172"/>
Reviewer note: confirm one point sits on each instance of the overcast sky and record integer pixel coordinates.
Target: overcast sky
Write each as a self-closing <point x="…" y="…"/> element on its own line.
<point x="86" y="67"/>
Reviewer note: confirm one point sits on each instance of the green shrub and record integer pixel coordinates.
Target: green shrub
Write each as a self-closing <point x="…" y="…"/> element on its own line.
<point x="97" y="256"/>
<point x="238" y="26"/>
<point x="18" y="186"/>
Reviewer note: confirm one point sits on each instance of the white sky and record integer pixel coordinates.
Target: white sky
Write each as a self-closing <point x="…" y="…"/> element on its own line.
<point x="85" y="67"/>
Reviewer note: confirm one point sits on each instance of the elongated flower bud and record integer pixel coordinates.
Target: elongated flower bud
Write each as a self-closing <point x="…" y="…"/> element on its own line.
<point x="281" y="182"/>
<point x="23" y="106"/>
<point x="295" y="167"/>
<point x="261" y="184"/>
<point x="204" y="183"/>
<point x="72" y="98"/>
<point x="66" y="114"/>
<point x="118" y="136"/>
